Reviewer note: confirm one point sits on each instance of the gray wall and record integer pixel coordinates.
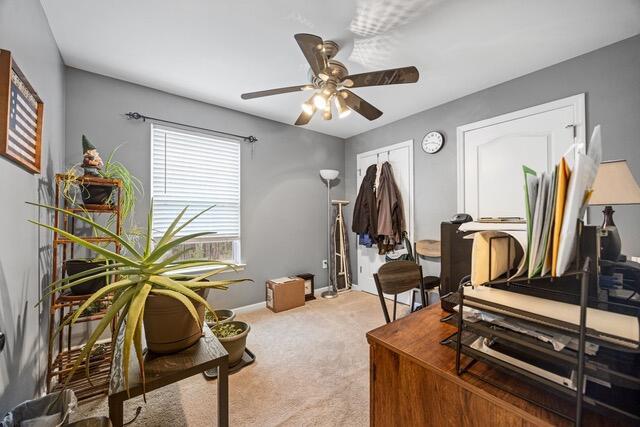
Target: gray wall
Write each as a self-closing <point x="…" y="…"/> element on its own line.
<point x="610" y="77"/>
<point x="24" y="251"/>
<point x="283" y="197"/>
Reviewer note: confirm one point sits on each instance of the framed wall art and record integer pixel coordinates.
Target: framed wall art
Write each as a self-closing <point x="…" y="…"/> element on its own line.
<point x="21" y="111"/>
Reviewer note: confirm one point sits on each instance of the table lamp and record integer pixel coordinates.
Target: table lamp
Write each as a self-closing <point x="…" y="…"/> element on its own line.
<point x="614" y="185"/>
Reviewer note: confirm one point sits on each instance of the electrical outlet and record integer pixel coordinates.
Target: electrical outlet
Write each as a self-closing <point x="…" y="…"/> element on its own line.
<point x="324" y="264"/>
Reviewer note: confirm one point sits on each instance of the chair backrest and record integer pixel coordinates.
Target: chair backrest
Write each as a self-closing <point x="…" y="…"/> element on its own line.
<point x="396" y="277"/>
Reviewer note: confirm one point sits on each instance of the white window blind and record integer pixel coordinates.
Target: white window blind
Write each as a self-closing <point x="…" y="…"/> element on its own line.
<point x="195" y="170"/>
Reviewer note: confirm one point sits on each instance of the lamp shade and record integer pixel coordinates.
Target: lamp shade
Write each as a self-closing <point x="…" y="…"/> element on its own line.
<point x="615" y="185"/>
<point x="329" y="174"/>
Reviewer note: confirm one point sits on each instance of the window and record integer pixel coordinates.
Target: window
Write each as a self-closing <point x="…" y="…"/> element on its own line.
<point x="197" y="170"/>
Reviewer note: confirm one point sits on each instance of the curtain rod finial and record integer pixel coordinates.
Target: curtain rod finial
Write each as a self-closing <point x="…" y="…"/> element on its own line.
<point x="251" y="139"/>
<point x="134" y="116"/>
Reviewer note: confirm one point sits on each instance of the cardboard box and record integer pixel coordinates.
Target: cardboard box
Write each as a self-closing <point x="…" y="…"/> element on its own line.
<point x="285" y="293"/>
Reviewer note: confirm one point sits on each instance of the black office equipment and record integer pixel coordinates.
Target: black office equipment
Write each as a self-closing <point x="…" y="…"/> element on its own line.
<point x="461" y="218"/>
<point x="455" y="260"/>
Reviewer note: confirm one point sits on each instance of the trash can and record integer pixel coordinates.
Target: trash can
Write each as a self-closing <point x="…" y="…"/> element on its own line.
<point x="51" y="410"/>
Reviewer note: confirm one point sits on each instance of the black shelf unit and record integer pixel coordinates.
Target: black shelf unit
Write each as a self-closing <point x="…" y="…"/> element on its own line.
<point x="611" y="364"/>
<point x="581" y="363"/>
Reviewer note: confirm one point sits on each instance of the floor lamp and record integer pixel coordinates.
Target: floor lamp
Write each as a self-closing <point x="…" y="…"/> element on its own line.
<point x="329" y="175"/>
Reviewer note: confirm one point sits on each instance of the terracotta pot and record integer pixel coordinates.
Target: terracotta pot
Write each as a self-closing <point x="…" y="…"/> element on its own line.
<point x="236" y="344"/>
<point x="168" y="326"/>
<point x="224" y="315"/>
<point x="79" y="265"/>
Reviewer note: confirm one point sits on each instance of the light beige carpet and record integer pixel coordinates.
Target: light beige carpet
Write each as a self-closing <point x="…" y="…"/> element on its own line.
<point x="311" y="369"/>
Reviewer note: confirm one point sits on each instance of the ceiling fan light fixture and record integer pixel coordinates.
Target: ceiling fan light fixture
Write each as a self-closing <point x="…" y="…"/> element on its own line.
<point x="308" y="108"/>
<point x="341" y="106"/>
<point x="319" y="101"/>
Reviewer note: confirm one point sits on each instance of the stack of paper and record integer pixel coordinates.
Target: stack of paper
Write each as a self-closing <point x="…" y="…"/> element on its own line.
<point x="554" y="203"/>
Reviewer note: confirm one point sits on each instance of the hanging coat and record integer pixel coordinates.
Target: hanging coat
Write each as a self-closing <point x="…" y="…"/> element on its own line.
<point x="365" y="211"/>
<point x="391" y="225"/>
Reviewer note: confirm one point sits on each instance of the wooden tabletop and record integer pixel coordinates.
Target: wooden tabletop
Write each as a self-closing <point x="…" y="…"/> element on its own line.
<point x="161" y="370"/>
<point x="417" y="337"/>
<point x="428" y="248"/>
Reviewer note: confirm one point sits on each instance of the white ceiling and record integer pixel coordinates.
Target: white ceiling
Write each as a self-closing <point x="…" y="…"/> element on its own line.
<point x="215" y="50"/>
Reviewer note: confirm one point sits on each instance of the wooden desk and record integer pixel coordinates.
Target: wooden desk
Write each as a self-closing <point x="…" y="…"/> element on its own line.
<point x="162" y="370"/>
<point x="414" y="383"/>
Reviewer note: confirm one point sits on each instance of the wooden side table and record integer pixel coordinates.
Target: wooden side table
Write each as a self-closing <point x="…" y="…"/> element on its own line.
<point x="162" y="370"/>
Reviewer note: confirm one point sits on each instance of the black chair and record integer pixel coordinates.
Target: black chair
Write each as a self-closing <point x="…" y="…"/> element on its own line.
<point x="396" y="277"/>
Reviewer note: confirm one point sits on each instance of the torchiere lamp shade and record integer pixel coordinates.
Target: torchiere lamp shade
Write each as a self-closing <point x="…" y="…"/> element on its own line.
<point x="615" y="185"/>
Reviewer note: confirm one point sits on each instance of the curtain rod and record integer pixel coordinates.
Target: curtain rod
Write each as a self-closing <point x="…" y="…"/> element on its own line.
<point x="138" y="116"/>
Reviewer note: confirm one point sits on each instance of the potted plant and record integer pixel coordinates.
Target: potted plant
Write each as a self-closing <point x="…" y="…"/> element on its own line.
<point x="96" y="194"/>
<point x="142" y="276"/>
<point x="233" y="337"/>
<point x="79" y="266"/>
<point x="219" y="316"/>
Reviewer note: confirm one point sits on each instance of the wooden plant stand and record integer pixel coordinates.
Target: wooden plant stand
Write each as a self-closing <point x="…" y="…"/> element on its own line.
<point x="62" y="354"/>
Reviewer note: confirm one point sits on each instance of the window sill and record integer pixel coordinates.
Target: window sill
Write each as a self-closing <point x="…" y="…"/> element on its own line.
<point x="202" y="270"/>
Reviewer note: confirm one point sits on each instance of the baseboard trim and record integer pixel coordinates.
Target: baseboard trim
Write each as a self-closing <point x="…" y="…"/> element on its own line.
<point x="262" y="304"/>
<point x="250" y="307"/>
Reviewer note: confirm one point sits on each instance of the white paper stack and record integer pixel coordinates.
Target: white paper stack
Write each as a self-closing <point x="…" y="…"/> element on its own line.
<point x="555" y="202"/>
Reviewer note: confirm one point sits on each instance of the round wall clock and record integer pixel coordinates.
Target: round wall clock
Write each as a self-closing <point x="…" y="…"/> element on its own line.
<point x="432" y="142"/>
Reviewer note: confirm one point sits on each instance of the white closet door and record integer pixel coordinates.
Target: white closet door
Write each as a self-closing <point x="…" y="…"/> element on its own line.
<point x="491" y="154"/>
<point x="401" y="158"/>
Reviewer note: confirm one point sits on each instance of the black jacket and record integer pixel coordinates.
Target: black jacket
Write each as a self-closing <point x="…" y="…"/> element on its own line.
<point x="365" y="212"/>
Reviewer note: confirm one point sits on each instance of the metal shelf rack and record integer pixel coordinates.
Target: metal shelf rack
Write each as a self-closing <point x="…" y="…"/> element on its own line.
<point x="581" y="363"/>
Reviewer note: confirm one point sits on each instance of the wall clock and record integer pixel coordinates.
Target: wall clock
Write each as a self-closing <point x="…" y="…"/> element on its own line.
<point x="432" y="142"/>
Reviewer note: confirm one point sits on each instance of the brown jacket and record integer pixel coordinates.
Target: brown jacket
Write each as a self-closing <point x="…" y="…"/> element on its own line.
<point x="365" y="211"/>
<point x="391" y="223"/>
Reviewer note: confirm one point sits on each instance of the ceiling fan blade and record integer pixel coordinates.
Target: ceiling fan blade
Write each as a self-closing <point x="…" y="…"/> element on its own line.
<point x="359" y="105"/>
<point x="277" y="91"/>
<point x="311" y="47"/>
<point x="393" y="76"/>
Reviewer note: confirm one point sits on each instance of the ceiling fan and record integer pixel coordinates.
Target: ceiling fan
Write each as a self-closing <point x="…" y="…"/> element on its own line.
<point x="330" y="81"/>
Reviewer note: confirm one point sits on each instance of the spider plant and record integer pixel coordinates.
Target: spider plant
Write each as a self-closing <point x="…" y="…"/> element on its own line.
<point x="112" y="169"/>
<point x="150" y="270"/>
<point x="131" y="185"/>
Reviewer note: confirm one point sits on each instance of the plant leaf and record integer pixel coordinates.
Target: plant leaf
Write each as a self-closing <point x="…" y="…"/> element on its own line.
<point x="161" y="250"/>
<point x="86" y="273"/>
<point x="147" y="249"/>
<point x="204" y="276"/>
<point x="189" y="221"/>
<point x="93" y="224"/>
<point x="99" y="249"/>
<point x="168" y="234"/>
<point x="190" y="265"/>
<point x="87" y="279"/>
<point x="137" y="343"/>
<point x="100" y="293"/>
<point x="173" y="285"/>
<point x="99" y="330"/>
<point x="162" y="264"/>
<point x="137" y="304"/>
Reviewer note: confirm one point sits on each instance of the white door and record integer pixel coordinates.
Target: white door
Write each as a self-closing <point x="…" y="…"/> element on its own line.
<point x="491" y="154"/>
<point x="401" y="158"/>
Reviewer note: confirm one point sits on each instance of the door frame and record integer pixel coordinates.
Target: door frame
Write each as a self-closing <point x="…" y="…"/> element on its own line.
<point x="575" y="101"/>
<point x="409" y="144"/>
